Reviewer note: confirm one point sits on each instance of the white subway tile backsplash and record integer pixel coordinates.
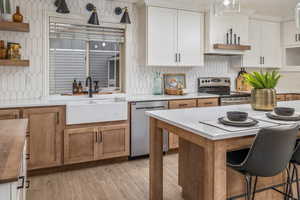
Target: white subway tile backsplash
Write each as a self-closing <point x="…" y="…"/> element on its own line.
<point x="23" y="83"/>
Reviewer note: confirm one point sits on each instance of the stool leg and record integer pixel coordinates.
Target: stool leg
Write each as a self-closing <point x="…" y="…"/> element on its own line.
<point x="248" y="187"/>
<point x="254" y="188"/>
<point x="297" y="181"/>
<point x="290" y="193"/>
<point x="287" y="186"/>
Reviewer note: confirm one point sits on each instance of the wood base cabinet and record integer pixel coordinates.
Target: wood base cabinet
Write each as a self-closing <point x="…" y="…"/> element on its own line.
<point x="45" y="134"/>
<point x="95" y="143"/>
<point x="179" y="104"/>
<point x="9" y="114"/>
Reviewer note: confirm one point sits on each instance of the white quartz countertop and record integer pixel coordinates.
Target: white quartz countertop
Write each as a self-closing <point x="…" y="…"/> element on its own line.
<point x="281" y="91"/>
<point x="64" y="100"/>
<point x="132" y="98"/>
<point x="189" y="119"/>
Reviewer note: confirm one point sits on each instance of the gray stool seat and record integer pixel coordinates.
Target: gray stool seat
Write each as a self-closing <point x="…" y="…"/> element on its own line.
<point x="269" y="155"/>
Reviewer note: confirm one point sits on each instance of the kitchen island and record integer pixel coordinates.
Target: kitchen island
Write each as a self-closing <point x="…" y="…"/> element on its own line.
<point x="203" y="173"/>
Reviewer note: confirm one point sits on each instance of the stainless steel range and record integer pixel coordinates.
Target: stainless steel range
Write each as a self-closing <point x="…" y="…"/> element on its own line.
<point x="221" y="86"/>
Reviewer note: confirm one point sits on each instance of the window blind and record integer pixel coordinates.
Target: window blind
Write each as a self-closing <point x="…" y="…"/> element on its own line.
<point x="67" y="61"/>
<point x="85" y="32"/>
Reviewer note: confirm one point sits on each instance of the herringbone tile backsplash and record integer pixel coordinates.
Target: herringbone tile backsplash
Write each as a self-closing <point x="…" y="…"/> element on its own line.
<point x="26" y="83"/>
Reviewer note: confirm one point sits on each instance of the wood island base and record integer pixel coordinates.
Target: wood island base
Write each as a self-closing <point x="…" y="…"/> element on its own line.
<point x="203" y="174"/>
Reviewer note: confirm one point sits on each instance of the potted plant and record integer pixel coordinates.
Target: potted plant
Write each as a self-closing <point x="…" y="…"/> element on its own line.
<point x="263" y="94"/>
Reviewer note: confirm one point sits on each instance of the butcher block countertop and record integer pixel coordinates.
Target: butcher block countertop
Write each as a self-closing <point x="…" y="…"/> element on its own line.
<point x="12" y="140"/>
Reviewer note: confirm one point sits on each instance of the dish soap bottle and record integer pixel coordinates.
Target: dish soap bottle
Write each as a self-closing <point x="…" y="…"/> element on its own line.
<point x="75" y="87"/>
<point x="157" y="84"/>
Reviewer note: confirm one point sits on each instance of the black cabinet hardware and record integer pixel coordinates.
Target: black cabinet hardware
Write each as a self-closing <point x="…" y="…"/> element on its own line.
<point x="27" y="184"/>
<point x="22" y="178"/>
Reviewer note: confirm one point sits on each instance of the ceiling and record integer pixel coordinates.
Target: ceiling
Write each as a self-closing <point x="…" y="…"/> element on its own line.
<point x="276" y="8"/>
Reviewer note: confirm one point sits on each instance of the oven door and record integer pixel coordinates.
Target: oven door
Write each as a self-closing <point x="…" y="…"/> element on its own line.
<point x="235" y="101"/>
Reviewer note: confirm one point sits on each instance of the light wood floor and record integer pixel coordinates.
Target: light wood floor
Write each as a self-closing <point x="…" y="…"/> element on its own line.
<point x="121" y="181"/>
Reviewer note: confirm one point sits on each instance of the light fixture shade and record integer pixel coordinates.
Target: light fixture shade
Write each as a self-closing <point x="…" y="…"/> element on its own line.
<point x="125" y="18"/>
<point x="222" y="7"/>
<point x="94" y="18"/>
<point x="297" y="15"/>
<point x="62" y="7"/>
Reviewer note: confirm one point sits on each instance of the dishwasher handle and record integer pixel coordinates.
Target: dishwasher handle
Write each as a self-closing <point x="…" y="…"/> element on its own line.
<point x="150" y="108"/>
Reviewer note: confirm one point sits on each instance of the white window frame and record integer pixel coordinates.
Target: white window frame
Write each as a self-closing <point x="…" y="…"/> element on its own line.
<point x="74" y="18"/>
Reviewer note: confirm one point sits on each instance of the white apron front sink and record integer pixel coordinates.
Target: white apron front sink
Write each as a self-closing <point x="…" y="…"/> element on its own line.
<point x="92" y="111"/>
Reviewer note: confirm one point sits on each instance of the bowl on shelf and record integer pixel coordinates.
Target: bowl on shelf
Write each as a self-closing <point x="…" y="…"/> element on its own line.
<point x="237" y="116"/>
<point x="284" y="111"/>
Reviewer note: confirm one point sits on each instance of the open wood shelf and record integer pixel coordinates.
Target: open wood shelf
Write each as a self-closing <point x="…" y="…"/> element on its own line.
<point x="13" y="26"/>
<point x="232" y="47"/>
<point x="15" y="63"/>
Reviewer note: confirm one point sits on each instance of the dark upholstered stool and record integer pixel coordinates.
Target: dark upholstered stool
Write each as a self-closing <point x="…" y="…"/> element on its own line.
<point x="269" y="155"/>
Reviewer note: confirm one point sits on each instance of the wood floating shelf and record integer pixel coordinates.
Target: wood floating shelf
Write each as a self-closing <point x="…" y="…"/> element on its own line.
<point x="232" y="47"/>
<point x="13" y="26"/>
<point x="15" y="63"/>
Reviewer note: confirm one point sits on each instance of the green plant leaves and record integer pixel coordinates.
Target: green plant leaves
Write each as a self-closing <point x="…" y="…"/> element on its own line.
<point x="260" y="80"/>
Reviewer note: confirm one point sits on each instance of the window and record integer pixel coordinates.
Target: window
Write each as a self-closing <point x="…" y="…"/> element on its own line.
<point x="79" y="51"/>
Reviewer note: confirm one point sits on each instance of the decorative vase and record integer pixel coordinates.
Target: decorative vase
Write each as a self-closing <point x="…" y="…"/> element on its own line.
<point x="263" y="99"/>
<point x="157" y="84"/>
<point x="18" y="17"/>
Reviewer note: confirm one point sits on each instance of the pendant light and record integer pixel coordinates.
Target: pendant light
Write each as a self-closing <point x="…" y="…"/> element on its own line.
<point x="125" y="18"/>
<point x="297" y="15"/>
<point x="227" y="6"/>
<point x="62" y="7"/>
<point x="94" y="16"/>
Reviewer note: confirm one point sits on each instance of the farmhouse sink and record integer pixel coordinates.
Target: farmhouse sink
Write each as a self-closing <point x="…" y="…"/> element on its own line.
<point x="92" y="111"/>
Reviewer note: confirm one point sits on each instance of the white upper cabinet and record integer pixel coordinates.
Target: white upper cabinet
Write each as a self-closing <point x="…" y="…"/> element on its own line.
<point x="264" y="38"/>
<point x="271" y="49"/>
<point x="218" y="26"/>
<point x="291" y="34"/>
<point x="190" y="38"/>
<point x="162" y="36"/>
<point x="253" y="57"/>
<point x="173" y="37"/>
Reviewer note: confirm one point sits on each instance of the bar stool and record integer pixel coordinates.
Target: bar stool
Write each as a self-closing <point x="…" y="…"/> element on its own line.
<point x="269" y="155"/>
<point x="295" y="161"/>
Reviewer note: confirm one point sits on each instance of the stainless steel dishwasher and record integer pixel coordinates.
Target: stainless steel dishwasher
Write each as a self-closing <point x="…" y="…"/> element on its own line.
<point x="140" y="126"/>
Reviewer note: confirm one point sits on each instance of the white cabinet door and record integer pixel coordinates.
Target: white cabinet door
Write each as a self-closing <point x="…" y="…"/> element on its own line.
<point x="290" y="34"/>
<point x="190" y="38"/>
<point x="253" y="57"/>
<point x="162" y="36"/>
<point x="270" y="44"/>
